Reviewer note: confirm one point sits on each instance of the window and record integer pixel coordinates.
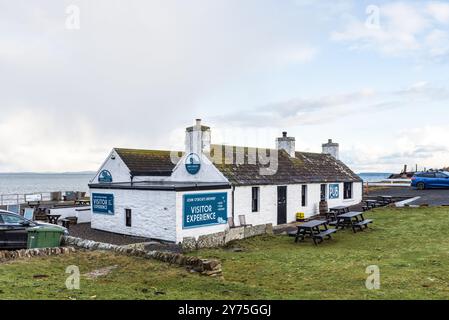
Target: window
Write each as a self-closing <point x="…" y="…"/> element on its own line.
<point x="427" y="175"/>
<point x="304" y="196"/>
<point x="440" y="175"/>
<point x="348" y="190"/>
<point x="255" y="199"/>
<point x="323" y="196"/>
<point x="11" y="219"/>
<point x="128" y="217"/>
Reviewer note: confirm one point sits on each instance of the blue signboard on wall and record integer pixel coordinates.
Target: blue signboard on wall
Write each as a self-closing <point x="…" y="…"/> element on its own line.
<point x="103" y="203"/>
<point x="205" y="209"/>
<point x="334" y="191"/>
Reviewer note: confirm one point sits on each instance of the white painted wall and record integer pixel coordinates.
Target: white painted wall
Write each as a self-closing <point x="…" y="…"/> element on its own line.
<point x="153" y="213"/>
<point x="268" y="202"/>
<point x="117" y="167"/>
<point x="196" y="232"/>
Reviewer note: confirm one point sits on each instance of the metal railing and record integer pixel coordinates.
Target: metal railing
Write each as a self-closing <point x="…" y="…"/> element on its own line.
<point x="16" y="199"/>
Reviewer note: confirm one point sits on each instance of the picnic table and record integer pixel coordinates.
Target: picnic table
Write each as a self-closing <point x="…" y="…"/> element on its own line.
<point x="386" y="199"/>
<point x="53" y="218"/>
<point x="335" y="211"/>
<point x="315" y="229"/>
<point x="371" y="203"/>
<point x="353" y="219"/>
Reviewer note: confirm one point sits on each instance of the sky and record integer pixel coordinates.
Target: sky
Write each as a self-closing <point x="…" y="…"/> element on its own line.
<point x="78" y="78"/>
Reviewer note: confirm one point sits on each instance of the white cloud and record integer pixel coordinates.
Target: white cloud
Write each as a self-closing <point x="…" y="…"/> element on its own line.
<point x="410" y="29"/>
<point x="423" y="146"/>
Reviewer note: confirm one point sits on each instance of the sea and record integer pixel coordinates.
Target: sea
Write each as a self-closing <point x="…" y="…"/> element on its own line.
<point x="374" y="176"/>
<point x="29" y="183"/>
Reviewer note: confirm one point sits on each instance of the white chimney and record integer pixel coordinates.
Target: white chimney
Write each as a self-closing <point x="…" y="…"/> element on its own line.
<point x="197" y="139"/>
<point x="332" y="148"/>
<point x="286" y="143"/>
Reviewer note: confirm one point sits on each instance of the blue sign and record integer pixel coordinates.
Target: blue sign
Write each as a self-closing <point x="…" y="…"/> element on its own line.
<point x="193" y="163"/>
<point x="205" y="209"/>
<point x="103" y="203"/>
<point x="334" y="191"/>
<point x="105" y="177"/>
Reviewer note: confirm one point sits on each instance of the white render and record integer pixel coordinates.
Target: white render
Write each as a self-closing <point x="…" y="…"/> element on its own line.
<point x="268" y="202"/>
<point x="153" y="213"/>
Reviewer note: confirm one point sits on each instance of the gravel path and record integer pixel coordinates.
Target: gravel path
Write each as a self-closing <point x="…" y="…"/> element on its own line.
<point x="84" y="231"/>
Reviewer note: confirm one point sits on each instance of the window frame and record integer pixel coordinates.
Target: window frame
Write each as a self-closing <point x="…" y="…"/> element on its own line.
<point x="128" y="225"/>
<point x="255" y="200"/>
<point x="304" y="195"/>
<point x="348" y="187"/>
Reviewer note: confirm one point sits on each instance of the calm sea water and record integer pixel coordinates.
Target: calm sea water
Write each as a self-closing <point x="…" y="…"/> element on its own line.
<point x="25" y="183"/>
<point x="374" y="176"/>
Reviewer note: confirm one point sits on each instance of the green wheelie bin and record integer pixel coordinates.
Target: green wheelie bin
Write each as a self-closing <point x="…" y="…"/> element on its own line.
<point x="44" y="237"/>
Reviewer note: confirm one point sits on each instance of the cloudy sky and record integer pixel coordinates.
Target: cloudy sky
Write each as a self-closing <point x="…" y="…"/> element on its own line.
<point x="78" y="78"/>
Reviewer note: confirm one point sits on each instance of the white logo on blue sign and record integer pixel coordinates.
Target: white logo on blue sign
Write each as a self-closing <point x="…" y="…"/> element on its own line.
<point x="334" y="191"/>
<point x="193" y="163"/>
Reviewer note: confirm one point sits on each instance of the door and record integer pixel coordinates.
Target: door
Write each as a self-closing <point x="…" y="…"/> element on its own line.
<point x="323" y="196"/>
<point x="15" y="234"/>
<point x="442" y="180"/>
<point x="282" y="205"/>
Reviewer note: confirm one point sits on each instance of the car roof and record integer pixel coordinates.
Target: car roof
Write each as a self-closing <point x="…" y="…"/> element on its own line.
<point x="9" y="212"/>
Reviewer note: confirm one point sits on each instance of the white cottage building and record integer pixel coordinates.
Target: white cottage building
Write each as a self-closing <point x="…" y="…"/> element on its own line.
<point x="171" y="195"/>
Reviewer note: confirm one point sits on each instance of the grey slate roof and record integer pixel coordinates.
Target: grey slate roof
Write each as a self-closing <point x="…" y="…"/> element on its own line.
<point x="304" y="168"/>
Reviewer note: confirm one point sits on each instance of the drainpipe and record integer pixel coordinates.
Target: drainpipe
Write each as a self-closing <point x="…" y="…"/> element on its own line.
<point x="233" y="191"/>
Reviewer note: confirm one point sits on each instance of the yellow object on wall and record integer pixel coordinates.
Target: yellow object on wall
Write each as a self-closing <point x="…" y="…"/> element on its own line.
<point x="300" y="216"/>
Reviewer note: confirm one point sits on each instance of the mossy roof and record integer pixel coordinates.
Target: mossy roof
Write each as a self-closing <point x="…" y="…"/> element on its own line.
<point x="248" y="166"/>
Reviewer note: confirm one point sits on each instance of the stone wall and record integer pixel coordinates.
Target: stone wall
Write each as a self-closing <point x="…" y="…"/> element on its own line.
<point x="209" y="267"/>
<point x="220" y="239"/>
<point x="28" y="253"/>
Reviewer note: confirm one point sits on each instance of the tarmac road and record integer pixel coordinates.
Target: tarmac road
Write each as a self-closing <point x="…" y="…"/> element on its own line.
<point x="431" y="197"/>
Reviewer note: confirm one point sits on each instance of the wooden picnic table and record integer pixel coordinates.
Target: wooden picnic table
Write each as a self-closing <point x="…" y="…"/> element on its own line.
<point x="335" y="211"/>
<point x="353" y="219"/>
<point x="386" y="199"/>
<point x="53" y="218"/>
<point x="315" y="229"/>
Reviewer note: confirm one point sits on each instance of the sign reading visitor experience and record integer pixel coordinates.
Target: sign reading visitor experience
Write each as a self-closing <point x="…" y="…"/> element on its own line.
<point x="334" y="191"/>
<point x="205" y="209"/>
<point x="193" y="163"/>
<point x="105" y="177"/>
<point x="103" y="203"/>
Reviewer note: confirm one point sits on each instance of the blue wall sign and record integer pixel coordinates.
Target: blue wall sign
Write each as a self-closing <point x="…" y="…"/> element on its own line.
<point x="193" y="163"/>
<point x="103" y="203"/>
<point x="105" y="177"/>
<point x="334" y="191"/>
<point x="205" y="209"/>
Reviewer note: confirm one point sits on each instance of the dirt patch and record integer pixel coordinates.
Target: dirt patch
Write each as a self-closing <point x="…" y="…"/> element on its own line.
<point x="100" y="272"/>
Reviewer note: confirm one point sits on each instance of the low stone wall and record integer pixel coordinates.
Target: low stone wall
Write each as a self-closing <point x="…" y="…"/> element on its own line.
<point x="220" y="239"/>
<point x="28" y="253"/>
<point x="204" y="266"/>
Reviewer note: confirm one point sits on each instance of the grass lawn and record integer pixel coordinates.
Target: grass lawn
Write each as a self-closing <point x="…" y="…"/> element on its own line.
<point x="410" y="246"/>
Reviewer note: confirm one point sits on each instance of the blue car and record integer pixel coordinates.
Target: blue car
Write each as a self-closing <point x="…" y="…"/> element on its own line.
<point x="430" y="180"/>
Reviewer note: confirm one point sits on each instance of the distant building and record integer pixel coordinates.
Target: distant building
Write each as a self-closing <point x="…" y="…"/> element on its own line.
<point x="168" y="195"/>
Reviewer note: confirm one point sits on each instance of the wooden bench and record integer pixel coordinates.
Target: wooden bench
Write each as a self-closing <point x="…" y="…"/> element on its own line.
<point x="361" y="224"/>
<point x="323" y="234"/>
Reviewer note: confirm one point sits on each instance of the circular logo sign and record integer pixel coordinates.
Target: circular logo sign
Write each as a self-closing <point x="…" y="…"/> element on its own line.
<point x="105" y="177"/>
<point x="193" y="163"/>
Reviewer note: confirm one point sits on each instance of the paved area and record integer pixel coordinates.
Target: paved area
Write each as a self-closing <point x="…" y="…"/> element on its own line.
<point x="432" y="197"/>
<point x="84" y="231"/>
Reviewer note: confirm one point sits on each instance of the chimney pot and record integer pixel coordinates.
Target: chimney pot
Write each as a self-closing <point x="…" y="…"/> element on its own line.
<point x="284" y="134"/>
<point x="198" y="122"/>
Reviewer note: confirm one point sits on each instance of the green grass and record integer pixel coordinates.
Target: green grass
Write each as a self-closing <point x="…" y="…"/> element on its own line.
<point x="410" y="246"/>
